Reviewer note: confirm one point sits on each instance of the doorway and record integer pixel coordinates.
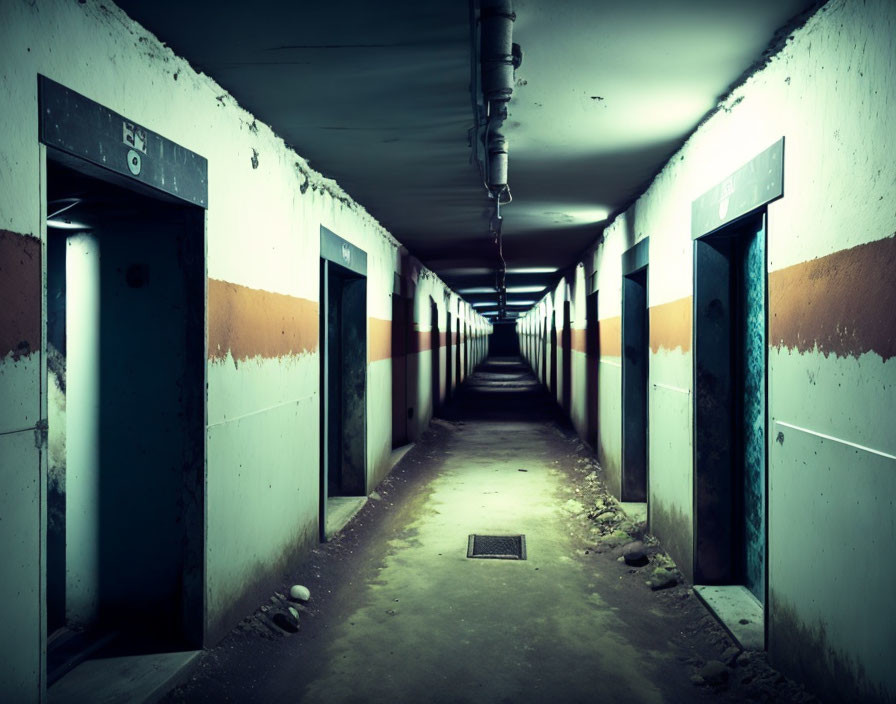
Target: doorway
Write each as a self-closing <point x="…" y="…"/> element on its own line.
<point x="592" y="360"/>
<point x="552" y="352"/>
<point x="435" y="344"/>
<point x="344" y="394"/>
<point x="126" y="419"/>
<point x="635" y="373"/>
<point x="449" y="360"/>
<point x="566" y="346"/>
<point x="730" y="417"/>
<point x="401" y="328"/>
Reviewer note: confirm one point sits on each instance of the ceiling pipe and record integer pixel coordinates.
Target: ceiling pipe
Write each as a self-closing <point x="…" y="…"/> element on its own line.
<point x="497" y="49"/>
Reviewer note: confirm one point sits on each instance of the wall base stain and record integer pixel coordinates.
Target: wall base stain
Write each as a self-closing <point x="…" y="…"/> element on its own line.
<point x="675" y="531"/>
<point x="248" y="322"/>
<point x="228" y="607"/>
<point x="843" y="303"/>
<point x="806" y="654"/>
<point x="20" y="295"/>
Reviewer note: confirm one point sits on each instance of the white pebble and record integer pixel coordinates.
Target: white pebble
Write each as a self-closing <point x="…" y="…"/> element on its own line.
<point x="299" y="593"/>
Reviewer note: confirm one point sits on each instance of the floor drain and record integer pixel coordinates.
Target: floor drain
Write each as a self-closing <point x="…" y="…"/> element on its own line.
<point x="497" y="547"/>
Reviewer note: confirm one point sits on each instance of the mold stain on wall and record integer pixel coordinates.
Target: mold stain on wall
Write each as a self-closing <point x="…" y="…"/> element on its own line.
<point x="804" y="651"/>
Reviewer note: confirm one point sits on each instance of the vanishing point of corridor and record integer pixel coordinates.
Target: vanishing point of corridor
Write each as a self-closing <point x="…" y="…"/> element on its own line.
<point x="400" y="613"/>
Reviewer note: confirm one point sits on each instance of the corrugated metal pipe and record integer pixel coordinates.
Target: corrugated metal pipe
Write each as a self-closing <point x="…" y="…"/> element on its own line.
<point x="497" y="161"/>
<point x="497" y="49"/>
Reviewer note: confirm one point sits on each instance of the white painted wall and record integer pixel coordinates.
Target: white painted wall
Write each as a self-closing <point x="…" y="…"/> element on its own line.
<point x="262" y="229"/>
<point x="831" y="92"/>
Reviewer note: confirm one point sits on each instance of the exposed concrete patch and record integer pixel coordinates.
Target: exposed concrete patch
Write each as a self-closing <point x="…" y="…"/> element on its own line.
<point x="20" y="293"/>
<point x="671" y="325"/>
<point x="249" y="322"/>
<point x="843" y="303"/>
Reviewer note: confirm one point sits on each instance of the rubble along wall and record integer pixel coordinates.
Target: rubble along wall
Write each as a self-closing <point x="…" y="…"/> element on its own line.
<point x="831" y="93"/>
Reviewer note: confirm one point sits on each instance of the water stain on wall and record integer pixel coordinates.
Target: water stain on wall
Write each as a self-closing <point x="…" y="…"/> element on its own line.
<point x="20" y="293"/>
<point x="806" y="652"/>
<point x="248" y="322"/>
<point x="843" y="303"/>
<point x="671" y="325"/>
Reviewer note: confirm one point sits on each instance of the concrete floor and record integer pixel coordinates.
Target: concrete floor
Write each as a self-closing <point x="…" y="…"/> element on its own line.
<point x="400" y="614"/>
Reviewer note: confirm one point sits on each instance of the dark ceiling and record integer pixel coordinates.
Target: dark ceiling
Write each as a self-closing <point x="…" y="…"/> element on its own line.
<point x="377" y="96"/>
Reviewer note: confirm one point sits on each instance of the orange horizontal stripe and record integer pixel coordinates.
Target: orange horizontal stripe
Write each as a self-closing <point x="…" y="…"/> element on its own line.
<point x="842" y="304"/>
<point x="671" y="325"/>
<point x="248" y="322"/>
<point x="379" y="339"/>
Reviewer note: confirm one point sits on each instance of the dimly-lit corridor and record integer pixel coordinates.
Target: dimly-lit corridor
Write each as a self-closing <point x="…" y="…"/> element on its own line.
<point x="401" y="614"/>
<point x="485" y="351"/>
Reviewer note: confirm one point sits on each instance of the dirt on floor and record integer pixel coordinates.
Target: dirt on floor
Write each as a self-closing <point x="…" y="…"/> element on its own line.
<point x="635" y="577"/>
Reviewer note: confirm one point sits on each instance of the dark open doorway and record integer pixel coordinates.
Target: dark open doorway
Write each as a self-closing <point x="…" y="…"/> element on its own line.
<point x="552" y="355"/>
<point x="126" y="418"/>
<point x="435" y="343"/>
<point x="449" y="355"/>
<point x="592" y="361"/>
<point x="402" y="315"/>
<point x="566" y="346"/>
<point x="730" y="368"/>
<point x="343" y="337"/>
<point x="635" y="366"/>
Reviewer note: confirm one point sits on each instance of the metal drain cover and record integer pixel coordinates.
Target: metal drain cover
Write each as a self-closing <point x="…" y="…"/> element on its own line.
<point x="497" y="547"/>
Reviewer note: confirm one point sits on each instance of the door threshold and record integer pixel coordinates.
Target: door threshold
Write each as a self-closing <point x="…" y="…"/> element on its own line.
<point x="340" y="510"/>
<point x="133" y="679"/>
<point x="398" y="453"/>
<point x="739" y="612"/>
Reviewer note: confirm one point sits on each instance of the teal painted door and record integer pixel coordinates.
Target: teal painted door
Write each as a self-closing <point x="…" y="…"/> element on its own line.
<point x="753" y="411"/>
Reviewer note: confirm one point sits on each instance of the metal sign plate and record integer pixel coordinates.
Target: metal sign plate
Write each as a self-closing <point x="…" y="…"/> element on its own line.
<point x="756" y="183"/>
<point x="82" y="128"/>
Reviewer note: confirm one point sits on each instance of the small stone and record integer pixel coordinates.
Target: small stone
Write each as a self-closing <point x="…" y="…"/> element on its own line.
<point x="617" y="537"/>
<point x="715" y="672"/>
<point x="730" y="655"/>
<point x="375" y="496"/>
<point x="299" y="593"/>
<point x="634" y="554"/>
<point x="698" y="680"/>
<point x="661" y="578"/>
<point x="573" y="506"/>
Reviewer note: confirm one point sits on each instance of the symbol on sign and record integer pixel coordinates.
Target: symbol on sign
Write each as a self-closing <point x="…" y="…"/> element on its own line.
<point x="134" y="136"/>
<point x="346" y="254"/>
<point x="134" y="162"/>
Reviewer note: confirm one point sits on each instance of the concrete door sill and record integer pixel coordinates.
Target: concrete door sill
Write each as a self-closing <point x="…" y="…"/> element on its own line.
<point x="735" y="607"/>
<point x="398" y="454"/>
<point x="340" y="510"/>
<point x="133" y="679"/>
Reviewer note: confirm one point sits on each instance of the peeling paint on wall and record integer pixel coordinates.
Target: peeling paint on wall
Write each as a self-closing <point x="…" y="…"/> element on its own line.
<point x="843" y="303"/>
<point x="671" y="325"/>
<point x="247" y="322"/>
<point x="20" y="293"/>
